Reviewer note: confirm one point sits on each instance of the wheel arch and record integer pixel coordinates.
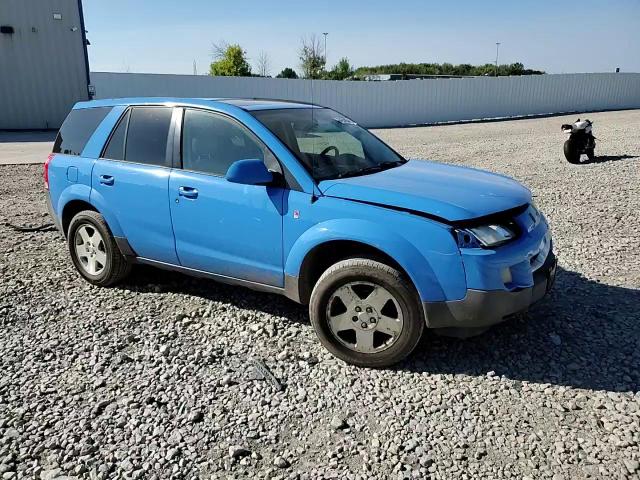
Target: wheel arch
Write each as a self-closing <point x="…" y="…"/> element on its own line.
<point x="325" y="244"/>
<point x="326" y="254"/>
<point x="71" y="209"/>
<point x="76" y="205"/>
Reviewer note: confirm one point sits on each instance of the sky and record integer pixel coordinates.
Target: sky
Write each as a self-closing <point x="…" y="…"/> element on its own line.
<point x="167" y="36"/>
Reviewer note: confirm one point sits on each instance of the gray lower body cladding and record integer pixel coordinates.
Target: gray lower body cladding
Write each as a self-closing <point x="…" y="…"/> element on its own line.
<point x="481" y="308"/>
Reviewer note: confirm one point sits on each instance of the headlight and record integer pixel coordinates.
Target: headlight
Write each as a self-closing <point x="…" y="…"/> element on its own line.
<point x="483" y="236"/>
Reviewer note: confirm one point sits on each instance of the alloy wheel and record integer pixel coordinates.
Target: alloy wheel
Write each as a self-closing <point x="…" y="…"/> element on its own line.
<point x="364" y="317"/>
<point x="90" y="249"/>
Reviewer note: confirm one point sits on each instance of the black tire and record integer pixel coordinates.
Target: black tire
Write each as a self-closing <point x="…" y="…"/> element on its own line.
<point x="571" y="152"/>
<point x="377" y="273"/>
<point x="115" y="268"/>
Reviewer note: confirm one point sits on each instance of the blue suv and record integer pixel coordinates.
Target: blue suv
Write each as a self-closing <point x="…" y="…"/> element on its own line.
<point x="299" y="200"/>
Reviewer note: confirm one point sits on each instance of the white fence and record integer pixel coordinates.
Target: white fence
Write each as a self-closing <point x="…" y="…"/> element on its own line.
<point x="401" y="103"/>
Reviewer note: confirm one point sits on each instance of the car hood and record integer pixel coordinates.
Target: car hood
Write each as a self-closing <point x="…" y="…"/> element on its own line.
<point x="448" y="192"/>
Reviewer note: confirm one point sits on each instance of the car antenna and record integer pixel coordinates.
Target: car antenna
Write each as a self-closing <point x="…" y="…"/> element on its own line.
<point x="314" y="197"/>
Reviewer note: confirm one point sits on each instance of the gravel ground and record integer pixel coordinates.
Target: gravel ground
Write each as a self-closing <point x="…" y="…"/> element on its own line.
<point x="162" y="377"/>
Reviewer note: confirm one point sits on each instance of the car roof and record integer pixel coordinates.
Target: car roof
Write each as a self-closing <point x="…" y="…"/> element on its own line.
<point x="243" y="103"/>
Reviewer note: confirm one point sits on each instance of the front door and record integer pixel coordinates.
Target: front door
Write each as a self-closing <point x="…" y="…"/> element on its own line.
<point x="221" y="227"/>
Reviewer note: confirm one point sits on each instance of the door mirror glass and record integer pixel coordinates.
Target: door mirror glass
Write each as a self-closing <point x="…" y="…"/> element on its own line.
<point x="249" y="172"/>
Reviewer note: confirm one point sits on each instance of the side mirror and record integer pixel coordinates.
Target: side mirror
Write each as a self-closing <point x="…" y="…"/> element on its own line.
<point x="249" y="172"/>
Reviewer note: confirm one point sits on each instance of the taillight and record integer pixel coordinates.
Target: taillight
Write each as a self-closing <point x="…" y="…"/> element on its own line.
<point x="45" y="172"/>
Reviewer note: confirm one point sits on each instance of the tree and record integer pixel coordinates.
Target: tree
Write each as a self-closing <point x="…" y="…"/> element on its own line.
<point x="263" y="64"/>
<point x="341" y="71"/>
<point x="312" y="57"/>
<point x="287" y="73"/>
<point x="229" y="61"/>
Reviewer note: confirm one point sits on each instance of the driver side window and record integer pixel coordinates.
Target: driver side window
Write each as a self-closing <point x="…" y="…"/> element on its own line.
<point x="212" y="142"/>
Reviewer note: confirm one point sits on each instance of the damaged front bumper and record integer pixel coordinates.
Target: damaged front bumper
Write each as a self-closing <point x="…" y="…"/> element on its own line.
<point x="483" y="308"/>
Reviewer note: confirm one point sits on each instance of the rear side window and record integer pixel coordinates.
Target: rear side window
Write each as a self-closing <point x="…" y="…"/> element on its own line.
<point x="77" y="129"/>
<point x="147" y="135"/>
<point x="115" y="149"/>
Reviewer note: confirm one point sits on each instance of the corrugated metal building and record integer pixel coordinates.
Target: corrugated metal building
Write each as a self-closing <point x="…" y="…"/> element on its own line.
<point x="44" y="68"/>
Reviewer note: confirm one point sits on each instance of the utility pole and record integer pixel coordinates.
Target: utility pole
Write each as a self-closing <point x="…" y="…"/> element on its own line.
<point x="497" y="47"/>
<point x="325" y="47"/>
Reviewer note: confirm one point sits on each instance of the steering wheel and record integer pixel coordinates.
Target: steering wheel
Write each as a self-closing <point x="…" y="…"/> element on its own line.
<point x="328" y="149"/>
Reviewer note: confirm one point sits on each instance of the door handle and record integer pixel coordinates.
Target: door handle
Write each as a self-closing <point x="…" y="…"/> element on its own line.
<point x="188" y="192"/>
<point x="106" y="179"/>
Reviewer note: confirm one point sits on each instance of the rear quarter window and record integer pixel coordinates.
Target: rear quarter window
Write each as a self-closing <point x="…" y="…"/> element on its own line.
<point x="77" y="129"/>
<point x="115" y="148"/>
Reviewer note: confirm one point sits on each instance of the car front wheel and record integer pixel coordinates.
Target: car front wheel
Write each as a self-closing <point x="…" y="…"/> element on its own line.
<point x="366" y="313"/>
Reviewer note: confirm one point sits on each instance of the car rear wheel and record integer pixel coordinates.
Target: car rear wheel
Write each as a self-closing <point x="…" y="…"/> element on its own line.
<point x="94" y="251"/>
<point x="366" y="313"/>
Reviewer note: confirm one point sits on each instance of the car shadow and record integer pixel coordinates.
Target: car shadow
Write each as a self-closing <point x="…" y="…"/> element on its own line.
<point x="146" y="279"/>
<point x="584" y="334"/>
<point x="609" y="158"/>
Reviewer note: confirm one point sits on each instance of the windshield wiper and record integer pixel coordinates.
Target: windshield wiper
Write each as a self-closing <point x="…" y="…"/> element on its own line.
<point x="371" y="169"/>
<point x="392" y="163"/>
<point x="365" y="170"/>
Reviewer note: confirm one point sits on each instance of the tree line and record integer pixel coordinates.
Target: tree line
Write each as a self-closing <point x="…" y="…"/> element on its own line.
<point x="231" y="60"/>
<point x="463" y="69"/>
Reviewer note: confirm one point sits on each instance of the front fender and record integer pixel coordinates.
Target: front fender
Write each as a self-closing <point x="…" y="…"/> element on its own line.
<point x="370" y="233"/>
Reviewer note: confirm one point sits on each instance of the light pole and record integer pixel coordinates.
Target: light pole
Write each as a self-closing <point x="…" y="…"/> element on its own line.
<point x="497" y="47"/>
<point x="325" y="46"/>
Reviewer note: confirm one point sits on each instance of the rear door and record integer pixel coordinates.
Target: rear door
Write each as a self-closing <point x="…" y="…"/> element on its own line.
<point x="132" y="177"/>
<point x="222" y="227"/>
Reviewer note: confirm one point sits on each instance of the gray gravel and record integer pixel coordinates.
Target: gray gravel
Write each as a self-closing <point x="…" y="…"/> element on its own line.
<point x="163" y="377"/>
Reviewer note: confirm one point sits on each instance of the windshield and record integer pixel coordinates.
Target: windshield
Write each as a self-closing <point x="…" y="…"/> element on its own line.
<point x="327" y="143"/>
